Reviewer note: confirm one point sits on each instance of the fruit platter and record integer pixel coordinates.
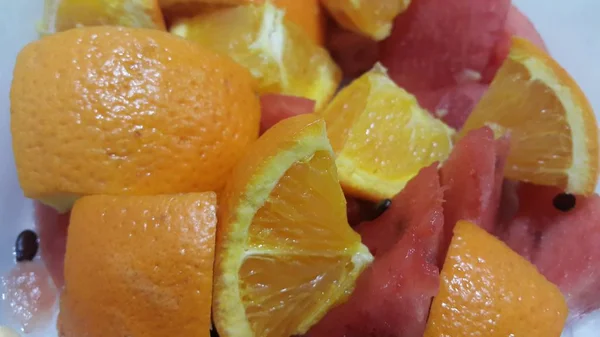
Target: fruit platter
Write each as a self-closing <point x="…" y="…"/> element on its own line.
<point x="309" y="168"/>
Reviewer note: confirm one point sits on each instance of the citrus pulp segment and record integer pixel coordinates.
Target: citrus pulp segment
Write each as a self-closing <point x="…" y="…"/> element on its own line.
<point x="552" y="127"/>
<point x="285" y="251"/>
<point x="381" y="136"/>
<point x="275" y="50"/>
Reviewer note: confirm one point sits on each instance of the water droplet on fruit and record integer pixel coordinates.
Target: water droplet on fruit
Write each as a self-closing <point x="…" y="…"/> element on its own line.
<point x="28" y="296"/>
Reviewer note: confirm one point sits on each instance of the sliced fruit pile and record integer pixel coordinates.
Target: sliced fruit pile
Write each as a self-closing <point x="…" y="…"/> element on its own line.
<point x="216" y="155"/>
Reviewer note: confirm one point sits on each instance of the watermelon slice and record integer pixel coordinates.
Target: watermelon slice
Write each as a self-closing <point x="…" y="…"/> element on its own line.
<point x="439" y="43"/>
<point x="472" y="177"/>
<point x="454" y="104"/>
<point x="353" y="53"/>
<point x="52" y="231"/>
<point x="517" y="24"/>
<point x="563" y="244"/>
<point x="392" y="297"/>
<point x="275" y="107"/>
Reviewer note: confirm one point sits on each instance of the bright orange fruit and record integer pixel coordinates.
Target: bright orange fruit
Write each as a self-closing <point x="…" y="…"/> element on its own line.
<point x="285" y="251"/>
<point x="553" y="129"/>
<point x="381" y="136"/>
<point x="488" y="290"/>
<point x="60" y="15"/>
<point x="276" y="51"/>
<point x="139" y="266"/>
<point x="367" y="17"/>
<point x="305" y="13"/>
<point x="107" y="110"/>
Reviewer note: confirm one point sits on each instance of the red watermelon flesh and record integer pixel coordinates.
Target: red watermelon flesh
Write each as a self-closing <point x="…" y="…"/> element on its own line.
<point x="417" y="208"/>
<point x="563" y="245"/>
<point x="517" y="24"/>
<point x="439" y="43"/>
<point x="353" y="53"/>
<point x="392" y="297"/>
<point x="454" y="104"/>
<point x="473" y="176"/>
<point x="52" y="230"/>
<point x="276" y="107"/>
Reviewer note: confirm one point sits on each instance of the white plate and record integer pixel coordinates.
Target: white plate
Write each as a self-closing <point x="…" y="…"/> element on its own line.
<point x="569" y="28"/>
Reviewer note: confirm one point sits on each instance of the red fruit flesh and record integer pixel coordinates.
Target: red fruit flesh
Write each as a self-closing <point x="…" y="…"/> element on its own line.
<point x="438" y="43"/>
<point x="52" y="231"/>
<point x="473" y="176"/>
<point x="275" y="107"/>
<point x="454" y="104"/>
<point x="353" y="53"/>
<point x="562" y="244"/>
<point x="392" y="297"/>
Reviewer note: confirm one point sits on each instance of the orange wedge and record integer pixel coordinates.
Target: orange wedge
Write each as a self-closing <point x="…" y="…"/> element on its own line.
<point x="60" y="15"/>
<point x="553" y="130"/>
<point x="285" y="251"/>
<point x="381" y="136"/>
<point x="139" y="266"/>
<point x="277" y="52"/>
<point x="367" y="17"/>
<point x="486" y="289"/>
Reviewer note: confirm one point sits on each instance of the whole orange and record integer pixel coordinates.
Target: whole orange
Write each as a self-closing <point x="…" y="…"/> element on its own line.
<point x="107" y="110"/>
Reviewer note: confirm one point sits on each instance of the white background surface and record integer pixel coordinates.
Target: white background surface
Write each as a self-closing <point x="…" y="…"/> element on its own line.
<point x="571" y="29"/>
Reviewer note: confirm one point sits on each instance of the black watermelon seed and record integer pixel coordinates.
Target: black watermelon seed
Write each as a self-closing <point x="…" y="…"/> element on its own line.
<point x="26" y="246"/>
<point x="381" y="207"/>
<point x="564" y="202"/>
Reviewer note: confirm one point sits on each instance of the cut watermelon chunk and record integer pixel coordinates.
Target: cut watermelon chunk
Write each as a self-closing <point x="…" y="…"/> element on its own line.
<point x="453" y="105"/>
<point x="517" y="24"/>
<point x="563" y="245"/>
<point x="439" y="43"/>
<point x="473" y="176"/>
<point x="52" y="230"/>
<point x="275" y="107"/>
<point x="392" y="297"/>
<point x="353" y="53"/>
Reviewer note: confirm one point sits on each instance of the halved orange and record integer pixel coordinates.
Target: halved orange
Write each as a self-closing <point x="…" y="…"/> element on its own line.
<point x="61" y="15"/>
<point x="553" y="129"/>
<point x="367" y="17"/>
<point x="285" y="251"/>
<point x="277" y="52"/>
<point x="381" y="136"/>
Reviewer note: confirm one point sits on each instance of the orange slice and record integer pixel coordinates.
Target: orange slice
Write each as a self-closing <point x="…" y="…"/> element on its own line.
<point x="553" y="130"/>
<point x="285" y="251"/>
<point x="139" y="266"/>
<point x="381" y="136"/>
<point x="487" y="289"/>
<point x="367" y="17"/>
<point x="276" y="51"/>
<point x="61" y="15"/>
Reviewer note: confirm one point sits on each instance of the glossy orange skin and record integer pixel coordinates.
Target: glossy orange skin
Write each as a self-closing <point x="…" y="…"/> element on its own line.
<point x="107" y="110"/>
<point x="139" y="266"/>
<point x="487" y="289"/>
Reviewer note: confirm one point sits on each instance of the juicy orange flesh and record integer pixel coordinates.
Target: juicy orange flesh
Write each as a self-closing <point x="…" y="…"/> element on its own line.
<point x="368" y="129"/>
<point x="276" y="51"/>
<point x="350" y="102"/>
<point x="277" y="245"/>
<point x="539" y="109"/>
<point x="373" y="18"/>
